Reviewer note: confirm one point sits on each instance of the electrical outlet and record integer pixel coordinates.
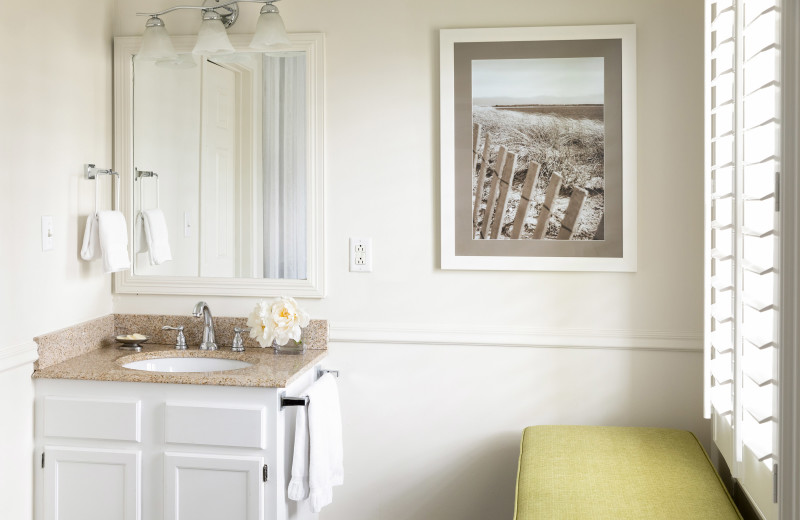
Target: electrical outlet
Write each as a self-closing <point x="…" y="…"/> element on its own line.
<point x="361" y="255"/>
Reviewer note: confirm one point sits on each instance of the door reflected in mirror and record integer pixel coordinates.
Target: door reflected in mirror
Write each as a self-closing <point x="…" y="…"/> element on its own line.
<point x="220" y="150"/>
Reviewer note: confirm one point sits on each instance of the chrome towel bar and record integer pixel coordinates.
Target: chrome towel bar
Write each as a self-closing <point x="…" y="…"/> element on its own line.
<point x="304" y="400"/>
<point x="294" y="401"/>
<point x="91" y="172"/>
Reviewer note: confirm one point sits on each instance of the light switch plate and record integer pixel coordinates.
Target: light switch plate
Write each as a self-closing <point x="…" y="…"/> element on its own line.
<point x="48" y="233"/>
<point x="187" y="225"/>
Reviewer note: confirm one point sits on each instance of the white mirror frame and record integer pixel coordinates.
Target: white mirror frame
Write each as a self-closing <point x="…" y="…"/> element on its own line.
<point x="314" y="286"/>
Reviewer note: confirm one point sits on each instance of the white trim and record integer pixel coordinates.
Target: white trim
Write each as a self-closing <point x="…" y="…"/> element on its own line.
<point x="447" y="39"/>
<point x="706" y="212"/>
<point x="520" y="337"/>
<point x="13" y="356"/>
<point x="313" y="44"/>
<point x="789" y="363"/>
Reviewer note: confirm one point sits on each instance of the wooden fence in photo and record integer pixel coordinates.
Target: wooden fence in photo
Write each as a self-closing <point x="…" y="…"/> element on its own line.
<point x="502" y="176"/>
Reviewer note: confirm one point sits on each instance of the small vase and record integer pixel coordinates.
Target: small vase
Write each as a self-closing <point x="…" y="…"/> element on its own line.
<point x="292" y="347"/>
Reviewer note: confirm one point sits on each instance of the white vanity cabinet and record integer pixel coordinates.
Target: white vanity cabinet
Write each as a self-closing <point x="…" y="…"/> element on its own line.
<point x="92" y="484"/>
<point x="149" y="451"/>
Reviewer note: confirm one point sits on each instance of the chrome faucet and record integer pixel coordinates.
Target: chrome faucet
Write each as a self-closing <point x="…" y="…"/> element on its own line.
<point x="201" y="309"/>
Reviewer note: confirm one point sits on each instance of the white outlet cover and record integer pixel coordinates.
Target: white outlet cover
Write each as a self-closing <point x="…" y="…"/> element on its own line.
<point x="366" y="265"/>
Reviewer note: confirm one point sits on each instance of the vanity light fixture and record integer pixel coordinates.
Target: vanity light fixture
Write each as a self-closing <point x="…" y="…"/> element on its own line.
<point x="156" y="44"/>
<point x="212" y="39"/>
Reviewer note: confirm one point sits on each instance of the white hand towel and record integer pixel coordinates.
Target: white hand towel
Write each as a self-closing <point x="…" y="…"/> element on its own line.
<point x="298" y="485"/>
<point x="139" y="240"/>
<point x="113" y="241"/>
<point x="91" y="239"/>
<point x="155" y="230"/>
<point x="324" y="441"/>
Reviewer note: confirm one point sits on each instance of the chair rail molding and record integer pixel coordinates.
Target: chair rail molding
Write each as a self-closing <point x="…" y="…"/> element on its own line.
<point x="426" y="334"/>
<point x="13" y="356"/>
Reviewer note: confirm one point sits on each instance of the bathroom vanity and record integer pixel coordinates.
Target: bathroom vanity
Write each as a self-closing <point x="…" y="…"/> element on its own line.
<point x="119" y="443"/>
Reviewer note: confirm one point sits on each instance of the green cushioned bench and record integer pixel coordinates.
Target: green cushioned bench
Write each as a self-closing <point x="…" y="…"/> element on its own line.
<point x="605" y="473"/>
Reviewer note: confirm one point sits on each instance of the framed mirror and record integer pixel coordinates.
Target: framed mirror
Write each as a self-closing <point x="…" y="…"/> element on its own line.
<point x="227" y="152"/>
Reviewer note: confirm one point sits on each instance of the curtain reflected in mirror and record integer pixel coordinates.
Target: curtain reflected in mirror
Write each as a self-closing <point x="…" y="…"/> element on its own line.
<point x="285" y="154"/>
<point x="223" y="146"/>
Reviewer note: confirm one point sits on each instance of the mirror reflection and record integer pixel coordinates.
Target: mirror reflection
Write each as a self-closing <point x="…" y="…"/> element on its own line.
<point x="219" y="151"/>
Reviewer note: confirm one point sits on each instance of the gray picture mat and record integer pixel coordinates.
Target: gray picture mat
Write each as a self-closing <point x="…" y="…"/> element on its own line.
<point x="464" y="53"/>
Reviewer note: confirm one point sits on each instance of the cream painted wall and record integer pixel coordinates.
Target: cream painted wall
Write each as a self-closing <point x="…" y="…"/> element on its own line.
<point x="426" y="435"/>
<point x="382" y="168"/>
<point x="55" y="115"/>
<point x="16" y="436"/>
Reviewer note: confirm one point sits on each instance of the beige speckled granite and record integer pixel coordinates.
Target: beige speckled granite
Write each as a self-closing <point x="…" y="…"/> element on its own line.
<point x="269" y="370"/>
<point x="55" y="347"/>
<point x="315" y="335"/>
<point x="88" y="351"/>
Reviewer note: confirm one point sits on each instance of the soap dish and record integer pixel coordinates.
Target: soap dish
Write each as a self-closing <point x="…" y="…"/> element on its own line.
<point x="132" y="342"/>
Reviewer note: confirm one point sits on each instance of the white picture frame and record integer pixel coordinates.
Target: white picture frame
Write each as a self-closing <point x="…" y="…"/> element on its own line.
<point x="458" y="244"/>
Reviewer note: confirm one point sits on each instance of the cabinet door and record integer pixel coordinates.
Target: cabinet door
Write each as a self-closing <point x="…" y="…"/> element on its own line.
<point x="92" y="484"/>
<point x="212" y="487"/>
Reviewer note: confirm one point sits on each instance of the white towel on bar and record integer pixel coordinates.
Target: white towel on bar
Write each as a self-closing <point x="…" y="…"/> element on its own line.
<point x="317" y="464"/>
<point x="139" y="240"/>
<point x="91" y="239"/>
<point x="157" y="236"/>
<point x="113" y="241"/>
<point x="298" y="485"/>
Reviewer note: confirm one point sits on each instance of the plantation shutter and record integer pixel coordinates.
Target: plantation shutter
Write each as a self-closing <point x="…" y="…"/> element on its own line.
<point x="742" y="239"/>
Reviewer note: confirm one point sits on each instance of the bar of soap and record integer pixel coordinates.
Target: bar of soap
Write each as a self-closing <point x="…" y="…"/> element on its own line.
<point x="133" y="337"/>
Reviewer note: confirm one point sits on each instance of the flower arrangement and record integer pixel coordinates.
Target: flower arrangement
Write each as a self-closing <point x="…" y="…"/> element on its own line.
<point x="277" y="321"/>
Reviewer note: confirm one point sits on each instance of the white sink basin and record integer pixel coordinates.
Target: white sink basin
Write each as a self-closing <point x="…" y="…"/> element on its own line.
<point x="187" y="364"/>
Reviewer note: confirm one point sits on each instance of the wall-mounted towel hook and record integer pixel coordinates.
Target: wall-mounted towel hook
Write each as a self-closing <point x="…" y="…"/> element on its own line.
<point x="142" y="173"/>
<point x="138" y="174"/>
<point x="92" y="173"/>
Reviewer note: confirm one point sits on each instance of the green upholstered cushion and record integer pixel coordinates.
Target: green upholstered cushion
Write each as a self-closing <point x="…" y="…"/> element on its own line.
<point x="599" y="473"/>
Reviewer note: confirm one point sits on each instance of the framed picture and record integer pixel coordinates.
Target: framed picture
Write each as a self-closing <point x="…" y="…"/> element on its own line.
<point x="538" y="148"/>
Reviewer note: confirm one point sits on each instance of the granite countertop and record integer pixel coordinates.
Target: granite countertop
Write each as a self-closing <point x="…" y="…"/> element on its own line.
<point x="269" y="370"/>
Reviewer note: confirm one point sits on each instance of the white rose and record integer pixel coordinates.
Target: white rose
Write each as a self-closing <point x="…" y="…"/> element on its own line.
<point x="288" y="319"/>
<point x="279" y="321"/>
<point x="261" y="327"/>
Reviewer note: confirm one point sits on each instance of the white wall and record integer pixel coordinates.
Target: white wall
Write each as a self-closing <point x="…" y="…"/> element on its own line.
<point x="383" y="157"/>
<point x="55" y="115"/>
<point x="431" y="430"/>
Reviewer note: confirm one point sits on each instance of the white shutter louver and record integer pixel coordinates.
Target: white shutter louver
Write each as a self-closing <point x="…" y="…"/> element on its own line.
<point x="742" y="238"/>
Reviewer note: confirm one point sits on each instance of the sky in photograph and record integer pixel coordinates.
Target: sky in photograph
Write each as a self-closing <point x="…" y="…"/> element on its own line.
<point x="547" y="81"/>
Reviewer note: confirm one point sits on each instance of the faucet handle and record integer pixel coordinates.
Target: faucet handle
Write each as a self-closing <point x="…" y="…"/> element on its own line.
<point x="238" y="343"/>
<point x="180" y="341"/>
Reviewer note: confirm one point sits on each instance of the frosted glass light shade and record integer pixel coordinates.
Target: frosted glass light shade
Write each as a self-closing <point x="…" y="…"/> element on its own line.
<point x="183" y="61"/>
<point x="270" y="32"/>
<point x="212" y="39"/>
<point x="156" y="43"/>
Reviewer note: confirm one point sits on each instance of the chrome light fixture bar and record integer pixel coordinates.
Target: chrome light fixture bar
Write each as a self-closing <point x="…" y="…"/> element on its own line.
<point x="212" y="39"/>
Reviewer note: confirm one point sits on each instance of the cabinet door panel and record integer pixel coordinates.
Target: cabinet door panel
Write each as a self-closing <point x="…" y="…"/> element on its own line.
<point x="211" y="487"/>
<point x="92" y="484"/>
